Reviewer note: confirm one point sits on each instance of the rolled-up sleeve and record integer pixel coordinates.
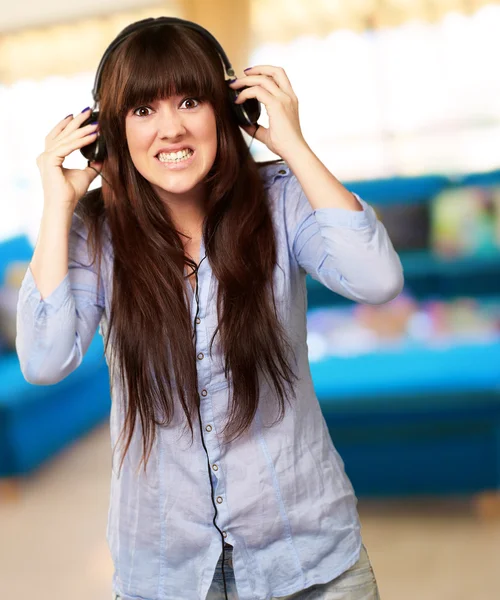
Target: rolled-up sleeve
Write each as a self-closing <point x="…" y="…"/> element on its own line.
<point x="348" y="251"/>
<point x="54" y="333"/>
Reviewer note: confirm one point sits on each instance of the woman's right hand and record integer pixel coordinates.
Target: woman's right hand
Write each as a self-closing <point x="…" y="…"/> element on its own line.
<point x="60" y="185"/>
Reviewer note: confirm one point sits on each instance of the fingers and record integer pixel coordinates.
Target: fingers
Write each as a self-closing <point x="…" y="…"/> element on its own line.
<point x="76" y="140"/>
<point x="57" y="149"/>
<point x="262" y="95"/>
<point x="76" y="122"/>
<point x="278" y="74"/>
<point x="58" y="128"/>
<point x="67" y="125"/>
<point x="265" y="82"/>
<point x="265" y="78"/>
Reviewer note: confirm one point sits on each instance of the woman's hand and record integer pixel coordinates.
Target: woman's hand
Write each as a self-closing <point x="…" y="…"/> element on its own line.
<point x="66" y="186"/>
<point x="271" y="86"/>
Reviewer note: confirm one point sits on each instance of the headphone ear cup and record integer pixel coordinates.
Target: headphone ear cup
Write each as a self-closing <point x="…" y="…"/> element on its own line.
<point x="95" y="151"/>
<point x="247" y="113"/>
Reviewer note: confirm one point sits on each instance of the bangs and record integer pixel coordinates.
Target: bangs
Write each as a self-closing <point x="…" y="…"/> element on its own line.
<point x="162" y="62"/>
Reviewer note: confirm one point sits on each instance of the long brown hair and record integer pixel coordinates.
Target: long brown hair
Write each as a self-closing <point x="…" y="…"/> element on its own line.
<point x="150" y="320"/>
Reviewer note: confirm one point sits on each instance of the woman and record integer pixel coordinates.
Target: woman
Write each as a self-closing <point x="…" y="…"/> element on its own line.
<point x="193" y="258"/>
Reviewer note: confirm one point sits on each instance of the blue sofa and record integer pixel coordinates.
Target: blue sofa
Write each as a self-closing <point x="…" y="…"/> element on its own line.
<point x="37" y="422"/>
<point x="415" y="420"/>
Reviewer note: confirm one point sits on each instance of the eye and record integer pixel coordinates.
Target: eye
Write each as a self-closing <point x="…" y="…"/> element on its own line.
<point x="192" y="100"/>
<point x="141" y="108"/>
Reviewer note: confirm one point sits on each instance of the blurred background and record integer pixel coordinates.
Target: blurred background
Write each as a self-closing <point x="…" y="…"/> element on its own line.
<point x="400" y="100"/>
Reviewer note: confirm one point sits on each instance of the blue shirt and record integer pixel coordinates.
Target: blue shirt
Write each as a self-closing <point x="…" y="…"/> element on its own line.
<point x="284" y="501"/>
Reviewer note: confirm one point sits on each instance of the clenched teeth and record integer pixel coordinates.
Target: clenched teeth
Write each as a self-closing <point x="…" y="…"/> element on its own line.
<point x="175" y="156"/>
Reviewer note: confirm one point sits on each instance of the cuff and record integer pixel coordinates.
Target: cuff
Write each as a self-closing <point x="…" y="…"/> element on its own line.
<point x="55" y="299"/>
<point x="343" y="217"/>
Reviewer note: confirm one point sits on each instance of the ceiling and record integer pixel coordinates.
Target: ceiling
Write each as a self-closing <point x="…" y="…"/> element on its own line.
<point x="271" y="19"/>
<point x="34" y="13"/>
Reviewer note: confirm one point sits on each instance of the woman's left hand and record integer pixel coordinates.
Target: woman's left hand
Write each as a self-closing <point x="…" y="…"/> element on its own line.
<point x="270" y="86"/>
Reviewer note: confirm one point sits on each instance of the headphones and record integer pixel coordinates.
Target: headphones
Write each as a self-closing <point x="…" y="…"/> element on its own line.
<point x="246" y="113"/>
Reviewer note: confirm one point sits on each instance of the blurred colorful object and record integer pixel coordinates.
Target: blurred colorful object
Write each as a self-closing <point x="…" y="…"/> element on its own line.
<point x="9" y="292"/>
<point x="466" y="220"/>
<point x="400" y="324"/>
<point x="408" y="224"/>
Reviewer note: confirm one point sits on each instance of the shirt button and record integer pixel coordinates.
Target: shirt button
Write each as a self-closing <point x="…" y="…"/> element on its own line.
<point x="224" y="533"/>
<point x="282" y="172"/>
<point x="219" y="499"/>
<point x="200" y="355"/>
<point x="204" y="392"/>
<point x="215" y="467"/>
<point x="208" y="427"/>
<point x="198" y="320"/>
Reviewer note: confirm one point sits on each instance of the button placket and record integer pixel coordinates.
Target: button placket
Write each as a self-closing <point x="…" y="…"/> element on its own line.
<point x="212" y="455"/>
<point x="213" y="448"/>
<point x="215" y="467"/>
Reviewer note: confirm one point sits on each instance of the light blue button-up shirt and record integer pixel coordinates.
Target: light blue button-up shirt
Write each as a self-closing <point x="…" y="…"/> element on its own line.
<point x="283" y="499"/>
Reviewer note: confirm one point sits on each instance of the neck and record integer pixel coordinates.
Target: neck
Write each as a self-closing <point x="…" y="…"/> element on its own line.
<point x="187" y="210"/>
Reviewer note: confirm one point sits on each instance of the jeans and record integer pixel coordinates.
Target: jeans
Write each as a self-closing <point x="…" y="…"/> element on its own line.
<point x="357" y="583"/>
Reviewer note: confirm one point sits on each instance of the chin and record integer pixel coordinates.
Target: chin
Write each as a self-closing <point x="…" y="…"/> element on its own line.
<point x="178" y="187"/>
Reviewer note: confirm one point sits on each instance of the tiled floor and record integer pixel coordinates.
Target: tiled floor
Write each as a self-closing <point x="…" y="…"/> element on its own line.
<point x="53" y="546"/>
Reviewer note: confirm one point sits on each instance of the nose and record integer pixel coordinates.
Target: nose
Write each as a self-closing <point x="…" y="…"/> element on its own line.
<point x="170" y="122"/>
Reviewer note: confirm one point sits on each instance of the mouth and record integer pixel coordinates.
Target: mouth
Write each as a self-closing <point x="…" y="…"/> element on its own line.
<point x="175" y="158"/>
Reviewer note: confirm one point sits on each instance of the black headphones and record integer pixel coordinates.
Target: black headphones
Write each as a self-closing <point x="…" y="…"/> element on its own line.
<point x="246" y="113"/>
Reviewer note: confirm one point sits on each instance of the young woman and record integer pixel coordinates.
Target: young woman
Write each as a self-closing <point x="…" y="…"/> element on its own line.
<point x="192" y="258"/>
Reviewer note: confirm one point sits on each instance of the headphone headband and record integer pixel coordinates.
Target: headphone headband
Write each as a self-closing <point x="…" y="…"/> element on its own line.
<point x="146" y="24"/>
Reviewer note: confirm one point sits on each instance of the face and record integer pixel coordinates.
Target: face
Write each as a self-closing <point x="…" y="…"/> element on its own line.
<point x="173" y="144"/>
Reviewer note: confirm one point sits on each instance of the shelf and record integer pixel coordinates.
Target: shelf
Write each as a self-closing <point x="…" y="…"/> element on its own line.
<point x="426" y="263"/>
<point x="417" y="189"/>
<point x="485" y="178"/>
<point x="399" y="190"/>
